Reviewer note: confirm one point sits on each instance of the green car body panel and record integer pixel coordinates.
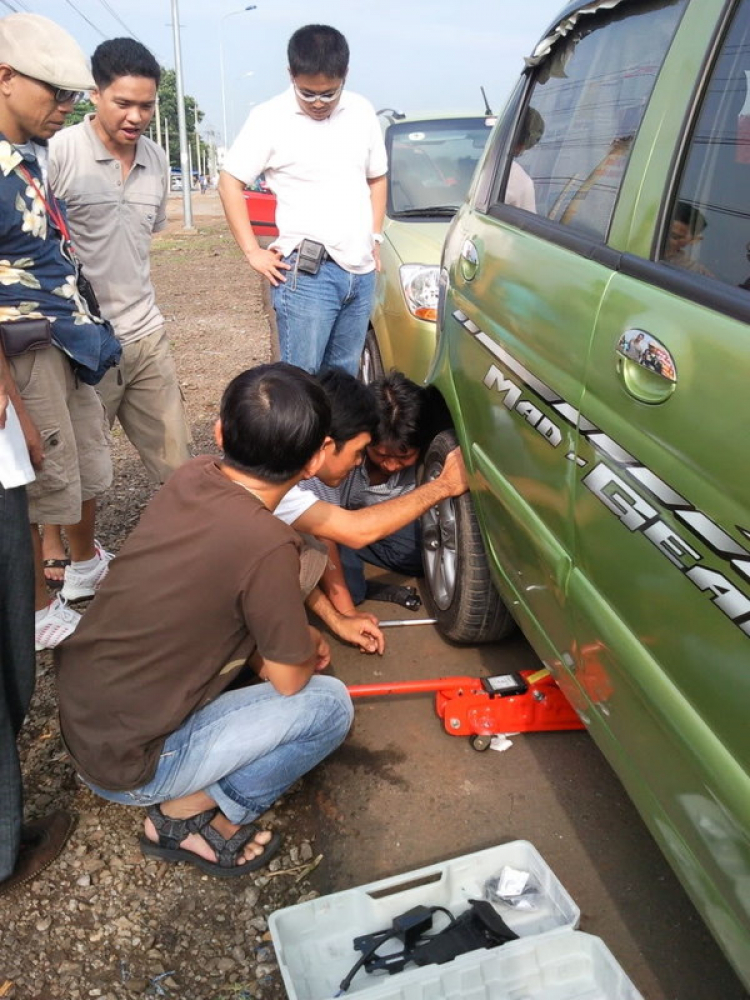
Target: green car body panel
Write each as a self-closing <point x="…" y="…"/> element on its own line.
<point x="405" y="341"/>
<point x="615" y="506"/>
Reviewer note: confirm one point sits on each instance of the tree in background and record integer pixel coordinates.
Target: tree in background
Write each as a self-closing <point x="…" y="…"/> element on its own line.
<point x="79" y="111"/>
<point x="168" y="111"/>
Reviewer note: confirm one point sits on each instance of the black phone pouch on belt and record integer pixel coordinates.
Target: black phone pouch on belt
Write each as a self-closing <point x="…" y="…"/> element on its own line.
<point x="22" y="335"/>
<point x="310" y="256"/>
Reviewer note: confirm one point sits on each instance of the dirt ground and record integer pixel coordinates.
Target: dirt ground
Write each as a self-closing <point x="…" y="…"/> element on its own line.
<point x="103" y="922"/>
<point x="400" y="794"/>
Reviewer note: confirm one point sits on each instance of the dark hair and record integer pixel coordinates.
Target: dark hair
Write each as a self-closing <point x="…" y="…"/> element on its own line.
<point x="122" y="57"/>
<point x="402" y="417"/>
<point x="353" y="408"/>
<point x="690" y="216"/>
<point x="273" y="419"/>
<point x="318" y="48"/>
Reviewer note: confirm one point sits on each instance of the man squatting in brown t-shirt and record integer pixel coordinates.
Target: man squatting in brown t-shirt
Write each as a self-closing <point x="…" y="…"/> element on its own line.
<point x="207" y="582"/>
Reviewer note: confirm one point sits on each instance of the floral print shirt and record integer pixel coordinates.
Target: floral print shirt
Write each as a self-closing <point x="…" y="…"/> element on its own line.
<point x="37" y="275"/>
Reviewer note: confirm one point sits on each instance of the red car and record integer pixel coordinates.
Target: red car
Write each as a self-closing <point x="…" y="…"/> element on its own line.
<point x="261" y="207"/>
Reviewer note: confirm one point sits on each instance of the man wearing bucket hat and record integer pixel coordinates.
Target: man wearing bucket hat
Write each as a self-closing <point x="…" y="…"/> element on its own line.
<point x="56" y="344"/>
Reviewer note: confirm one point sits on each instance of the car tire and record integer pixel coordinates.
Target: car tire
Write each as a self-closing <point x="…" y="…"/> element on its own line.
<point x="459" y="591"/>
<point x="371" y="363"/>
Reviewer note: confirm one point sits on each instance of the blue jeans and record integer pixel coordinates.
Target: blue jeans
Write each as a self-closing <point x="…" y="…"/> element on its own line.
<point x="245" y="748"/>
<point x="322" y="318"/>
<point x="400" y="552"/>
<point x="17" y="662"/>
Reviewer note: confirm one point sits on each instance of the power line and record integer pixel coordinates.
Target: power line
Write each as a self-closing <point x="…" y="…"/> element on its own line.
<point x="10" y="6"/>
<point x="119" y="20"/>
<point x="98" y="30"/>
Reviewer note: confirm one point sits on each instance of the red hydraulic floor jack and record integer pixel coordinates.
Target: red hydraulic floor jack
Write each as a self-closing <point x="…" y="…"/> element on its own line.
<point x="480" y="707"/>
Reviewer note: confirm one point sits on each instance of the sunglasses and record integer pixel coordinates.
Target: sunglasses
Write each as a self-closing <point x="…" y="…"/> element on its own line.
<point x="309" y="98"/>
<point x="61" y="96"/>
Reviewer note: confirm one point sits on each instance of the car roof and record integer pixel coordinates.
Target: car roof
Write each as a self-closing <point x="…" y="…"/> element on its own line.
<point x="401" y="118"/>
<point x="565" y="22"/>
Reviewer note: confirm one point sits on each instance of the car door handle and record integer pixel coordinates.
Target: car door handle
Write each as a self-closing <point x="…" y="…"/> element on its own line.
<point x="645" y="366"/>
<point x="469" y="260"/>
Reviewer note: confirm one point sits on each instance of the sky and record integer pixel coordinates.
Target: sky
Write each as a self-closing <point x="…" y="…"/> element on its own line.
<point x="411" y="55"/>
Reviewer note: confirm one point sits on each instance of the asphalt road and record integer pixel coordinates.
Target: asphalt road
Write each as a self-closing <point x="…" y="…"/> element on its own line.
<point x="402" y="794"/>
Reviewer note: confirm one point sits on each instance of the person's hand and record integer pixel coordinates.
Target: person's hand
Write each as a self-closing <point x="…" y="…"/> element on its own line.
<point x="376" y="256"/>
<point x="322" y="650"/>
<point x="269" y="264"/>
<point x="360" y="629"/>
<point x="454" y="478"/>
<point x="32" y="437"/>
<point x="3" y="402"/>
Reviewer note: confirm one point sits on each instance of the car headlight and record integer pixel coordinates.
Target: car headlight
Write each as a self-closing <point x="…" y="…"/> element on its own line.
<point x="420" y="285"/>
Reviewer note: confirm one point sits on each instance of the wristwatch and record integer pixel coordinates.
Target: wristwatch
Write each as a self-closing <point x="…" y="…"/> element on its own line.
<point x="377" y="238"/>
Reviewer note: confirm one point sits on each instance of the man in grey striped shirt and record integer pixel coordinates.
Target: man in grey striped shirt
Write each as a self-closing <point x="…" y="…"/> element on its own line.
<point x="365" y="497"/>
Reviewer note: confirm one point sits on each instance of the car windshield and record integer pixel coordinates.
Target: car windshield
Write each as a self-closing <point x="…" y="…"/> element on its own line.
<point x="431" y="164"/>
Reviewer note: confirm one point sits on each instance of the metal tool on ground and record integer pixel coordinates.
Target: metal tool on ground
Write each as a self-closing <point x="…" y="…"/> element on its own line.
<point x="407" y="621"/>
<point x="481" y="707"/>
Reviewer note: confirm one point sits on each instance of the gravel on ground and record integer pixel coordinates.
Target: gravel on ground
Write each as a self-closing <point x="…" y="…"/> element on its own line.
<point x="102" y="921"/>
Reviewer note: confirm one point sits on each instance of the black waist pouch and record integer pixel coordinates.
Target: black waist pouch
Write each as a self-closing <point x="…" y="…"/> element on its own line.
<point x="22" y="335"/>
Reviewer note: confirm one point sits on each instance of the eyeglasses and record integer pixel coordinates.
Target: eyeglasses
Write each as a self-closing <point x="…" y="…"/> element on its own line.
<point x="61" y="96"/>
<point x="310" y="98"/>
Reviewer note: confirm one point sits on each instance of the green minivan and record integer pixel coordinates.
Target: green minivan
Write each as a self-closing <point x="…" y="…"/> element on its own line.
<point x="594" y="355"/>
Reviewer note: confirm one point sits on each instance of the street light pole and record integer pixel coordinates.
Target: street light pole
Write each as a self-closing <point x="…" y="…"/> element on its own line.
<point x="231" y="13"/>
<point x="184" y="155"/>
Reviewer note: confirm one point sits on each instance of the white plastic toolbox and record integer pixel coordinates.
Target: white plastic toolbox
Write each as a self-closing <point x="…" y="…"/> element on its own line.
<point x="549" y="961"/>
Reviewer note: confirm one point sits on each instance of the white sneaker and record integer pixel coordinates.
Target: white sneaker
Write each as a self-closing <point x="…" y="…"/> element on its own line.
<point x="79" y="585"/>
<point x="59" y="622"/>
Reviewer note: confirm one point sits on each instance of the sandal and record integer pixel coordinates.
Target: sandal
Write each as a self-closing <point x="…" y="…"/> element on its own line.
<point x="52" y="582"/>
<point x="407" y="597"/>
<point x="173" y="831"/>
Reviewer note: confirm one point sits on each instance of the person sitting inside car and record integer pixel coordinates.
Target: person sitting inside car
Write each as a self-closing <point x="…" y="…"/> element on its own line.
<point x="685" y="234"/>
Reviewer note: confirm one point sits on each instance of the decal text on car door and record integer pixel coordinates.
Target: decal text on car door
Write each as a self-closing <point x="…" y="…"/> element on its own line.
<point x="629" y="505"/>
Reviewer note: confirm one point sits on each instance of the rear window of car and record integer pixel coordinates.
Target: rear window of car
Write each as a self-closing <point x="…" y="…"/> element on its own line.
<point x="431" y="164"/>
<point x="708" y="233"/>
<point x="583" y="112"/>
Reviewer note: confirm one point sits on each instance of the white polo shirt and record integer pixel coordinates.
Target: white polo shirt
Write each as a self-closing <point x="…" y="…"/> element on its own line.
<point x="318" y="171"/>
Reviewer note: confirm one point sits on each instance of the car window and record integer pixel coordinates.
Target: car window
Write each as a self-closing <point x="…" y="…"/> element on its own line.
<point x="708" y="231"/>
<point x="583" y="112"/>
<point x="431" y="163"/>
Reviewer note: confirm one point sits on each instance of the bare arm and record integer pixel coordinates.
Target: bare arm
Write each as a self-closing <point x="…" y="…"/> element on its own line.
<point x="378" y="195"/>
<point x="378" y="192"/>
<point x="289" y="678"/>
<point x="9" y="394"/>
<point x="358" y="628"/>
<point x="333" y="582"/>
<point x="265" y="262"/>
<point x="358" y="528"/>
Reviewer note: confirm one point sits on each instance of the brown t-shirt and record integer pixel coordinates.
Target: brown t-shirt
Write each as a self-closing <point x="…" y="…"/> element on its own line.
<point x="208" y="576"/>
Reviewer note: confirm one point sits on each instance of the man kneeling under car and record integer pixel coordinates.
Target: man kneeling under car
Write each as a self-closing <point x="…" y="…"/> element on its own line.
<point x="145" y="709"/>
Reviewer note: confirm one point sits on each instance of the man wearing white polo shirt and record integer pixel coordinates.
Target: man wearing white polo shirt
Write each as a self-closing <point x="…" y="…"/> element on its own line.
<point x="321" y="150"/>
